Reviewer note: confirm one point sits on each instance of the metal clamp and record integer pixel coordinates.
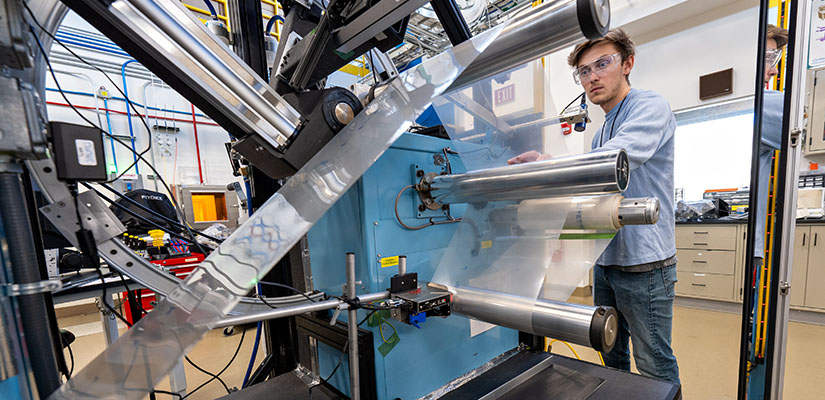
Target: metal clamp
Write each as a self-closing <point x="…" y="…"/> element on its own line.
<point x="20" y="289"/>
<point x="784" y="288"/>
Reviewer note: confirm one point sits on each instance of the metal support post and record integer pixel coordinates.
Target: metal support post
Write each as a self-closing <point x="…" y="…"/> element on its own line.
<point x="354" y="378"/>
<point x="108" y="321"/>
<point x="402" y="265"/>
<point x="177" y="379"/>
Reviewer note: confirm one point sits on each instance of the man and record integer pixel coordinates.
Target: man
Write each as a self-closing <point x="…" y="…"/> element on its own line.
<point x="637" y="272"/>
<point x="771" y="140"/>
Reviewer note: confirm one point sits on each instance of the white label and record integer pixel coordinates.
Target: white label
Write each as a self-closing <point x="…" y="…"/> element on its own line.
<point x="816" y="38"/>
<point x="51" y="263"/>
<point x="85" y="152"/>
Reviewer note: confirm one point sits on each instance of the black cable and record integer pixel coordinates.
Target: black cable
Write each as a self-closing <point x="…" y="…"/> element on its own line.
<point x="281" y="285"/>
<point x="214" y="376"/>
<point x="192" y="363"/>
<point x="71" y="358"/>
<point x="574" y="100"/>
<point x="173" y="394"/>
<point x="372" y="67"/>
<point x="131" y="104"/>
<point x="144" y="208"/>
<point x="134" y="214"/>
<point x="93" y="257"/>
<point x="340" y="359"/>
<point x="237" y="350"/>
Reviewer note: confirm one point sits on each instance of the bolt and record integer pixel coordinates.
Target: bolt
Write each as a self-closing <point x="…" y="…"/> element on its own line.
<point x="421" y="207"/>
<point x="419" y="173"/>
<point x="445" y="207"/>
<point x="375" y="223"/>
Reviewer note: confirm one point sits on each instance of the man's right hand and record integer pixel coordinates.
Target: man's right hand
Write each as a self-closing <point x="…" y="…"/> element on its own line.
<point x="528" y="156"/>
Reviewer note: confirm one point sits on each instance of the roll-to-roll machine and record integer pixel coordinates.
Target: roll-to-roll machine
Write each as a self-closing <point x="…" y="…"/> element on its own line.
<point x="280" y="125"/>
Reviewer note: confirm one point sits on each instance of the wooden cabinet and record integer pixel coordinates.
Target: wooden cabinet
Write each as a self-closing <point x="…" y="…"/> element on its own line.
<point x="799" y="270"/>
<point x="815" y="276"/>
<point x="710" y="259"/>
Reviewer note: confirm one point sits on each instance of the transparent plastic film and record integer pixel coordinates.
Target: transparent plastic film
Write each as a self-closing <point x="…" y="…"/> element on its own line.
<point x="146" y="353"/>
<point x="536" y="224"/>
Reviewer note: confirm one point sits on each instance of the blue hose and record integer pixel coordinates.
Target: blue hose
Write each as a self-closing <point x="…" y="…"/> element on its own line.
<point x="254" y="349"/>
<point x="109" y="125"/>
<point x="211" y="9"/>
<point x="129" y="113"/>
<point x="136" y="104"/>
<point x="271" y="23"/>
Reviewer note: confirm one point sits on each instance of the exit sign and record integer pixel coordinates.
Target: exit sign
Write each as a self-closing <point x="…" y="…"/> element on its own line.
<point x="505" y="95"/>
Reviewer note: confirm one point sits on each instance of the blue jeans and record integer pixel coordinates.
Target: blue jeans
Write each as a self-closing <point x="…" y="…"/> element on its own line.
<point x="644" y="302"/>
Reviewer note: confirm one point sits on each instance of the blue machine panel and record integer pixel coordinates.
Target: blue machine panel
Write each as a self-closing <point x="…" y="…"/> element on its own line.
<point x="363" y="222"/>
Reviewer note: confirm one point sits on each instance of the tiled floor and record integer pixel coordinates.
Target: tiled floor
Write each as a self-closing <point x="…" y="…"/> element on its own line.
<point x="706" y="344"/>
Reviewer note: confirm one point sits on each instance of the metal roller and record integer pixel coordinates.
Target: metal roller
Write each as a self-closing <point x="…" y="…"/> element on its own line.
<point x="591" y="326"/>
<point x="586" y="174"/>
<point x="549" y="27"/>
<point x="610" y="212"/>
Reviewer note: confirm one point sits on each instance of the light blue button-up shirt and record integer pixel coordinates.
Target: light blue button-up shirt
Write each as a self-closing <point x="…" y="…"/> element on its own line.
<point x="771" y="140"/>
<point x="644" y="126"/>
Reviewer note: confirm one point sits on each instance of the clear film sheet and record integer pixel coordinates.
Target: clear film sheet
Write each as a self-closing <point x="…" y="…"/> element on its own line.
<point x="147" y="352"/>
<point x="534" y="229"/>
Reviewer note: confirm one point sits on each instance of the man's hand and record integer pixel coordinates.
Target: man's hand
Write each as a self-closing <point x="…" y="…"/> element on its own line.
<point x="529" y="156"/>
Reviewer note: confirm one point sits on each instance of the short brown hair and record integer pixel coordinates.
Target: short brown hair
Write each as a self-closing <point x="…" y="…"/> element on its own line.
<point x="617" y="37"/>
<point x="780" y="35"/>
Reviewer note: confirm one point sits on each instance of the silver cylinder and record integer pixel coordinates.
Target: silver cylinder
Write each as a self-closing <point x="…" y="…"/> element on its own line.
<point x="610" y="212"/>
<point x="402" y="265"/>
<point x="590" y="326"/>
<point x="639" y="211"/>
<point x="585" y="174"/>
<point x="174" y="21"/>
<point x="549" y="27"/>
<point x="352" y="314"/>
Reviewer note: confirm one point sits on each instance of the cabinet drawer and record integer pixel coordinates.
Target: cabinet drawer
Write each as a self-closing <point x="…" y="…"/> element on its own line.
<point x="706" y="237"/>
<point x="707" y="261"/>
<point x="705" y="285"/>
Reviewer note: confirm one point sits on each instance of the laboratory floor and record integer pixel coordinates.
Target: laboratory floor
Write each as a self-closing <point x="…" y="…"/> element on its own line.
<point x="706" y="344"/>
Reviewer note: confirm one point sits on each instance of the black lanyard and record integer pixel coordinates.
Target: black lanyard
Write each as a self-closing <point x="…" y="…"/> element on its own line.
<point x="613" y="125"/>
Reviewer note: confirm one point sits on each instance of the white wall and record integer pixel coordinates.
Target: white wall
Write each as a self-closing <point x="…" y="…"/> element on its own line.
<point x="674" y="47"/>
<point x="215" y="165"/>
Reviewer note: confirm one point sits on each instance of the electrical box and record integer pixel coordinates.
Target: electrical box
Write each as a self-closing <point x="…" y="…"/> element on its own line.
<point x="815" y="141"/>
<point x="78" y="152"/>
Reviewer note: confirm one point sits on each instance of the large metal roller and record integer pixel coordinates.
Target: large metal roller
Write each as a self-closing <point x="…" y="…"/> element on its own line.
<point x="591" y="326"/>
<point x="585" y="174"/>
<point x="549" y="27"/>
<point x="609" y="212"/>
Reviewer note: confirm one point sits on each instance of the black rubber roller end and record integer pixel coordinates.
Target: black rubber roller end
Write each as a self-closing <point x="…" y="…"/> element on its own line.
<point x="622" y="170"/>
<point x="594" y="17"/>
<point x="603" y="329"/>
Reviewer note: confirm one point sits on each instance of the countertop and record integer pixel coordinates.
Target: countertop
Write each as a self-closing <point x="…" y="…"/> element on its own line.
<point x="816" y="221"/>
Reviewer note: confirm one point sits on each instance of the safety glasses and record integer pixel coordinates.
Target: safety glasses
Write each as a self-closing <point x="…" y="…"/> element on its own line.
<point x="601" y="66"/>
<point x="772" y="57"/>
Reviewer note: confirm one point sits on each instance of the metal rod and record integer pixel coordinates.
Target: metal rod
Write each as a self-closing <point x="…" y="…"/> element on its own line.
<point x="110" y="332"/>
<point x="402" y="265"/>
<point x="586" y="174"/>
<point x="273" y="109"/>
<point x="545" y="29"/>
<point x="288" y="311"/>
<point x="595" y="327"/>
<point x="354" y="375"/>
